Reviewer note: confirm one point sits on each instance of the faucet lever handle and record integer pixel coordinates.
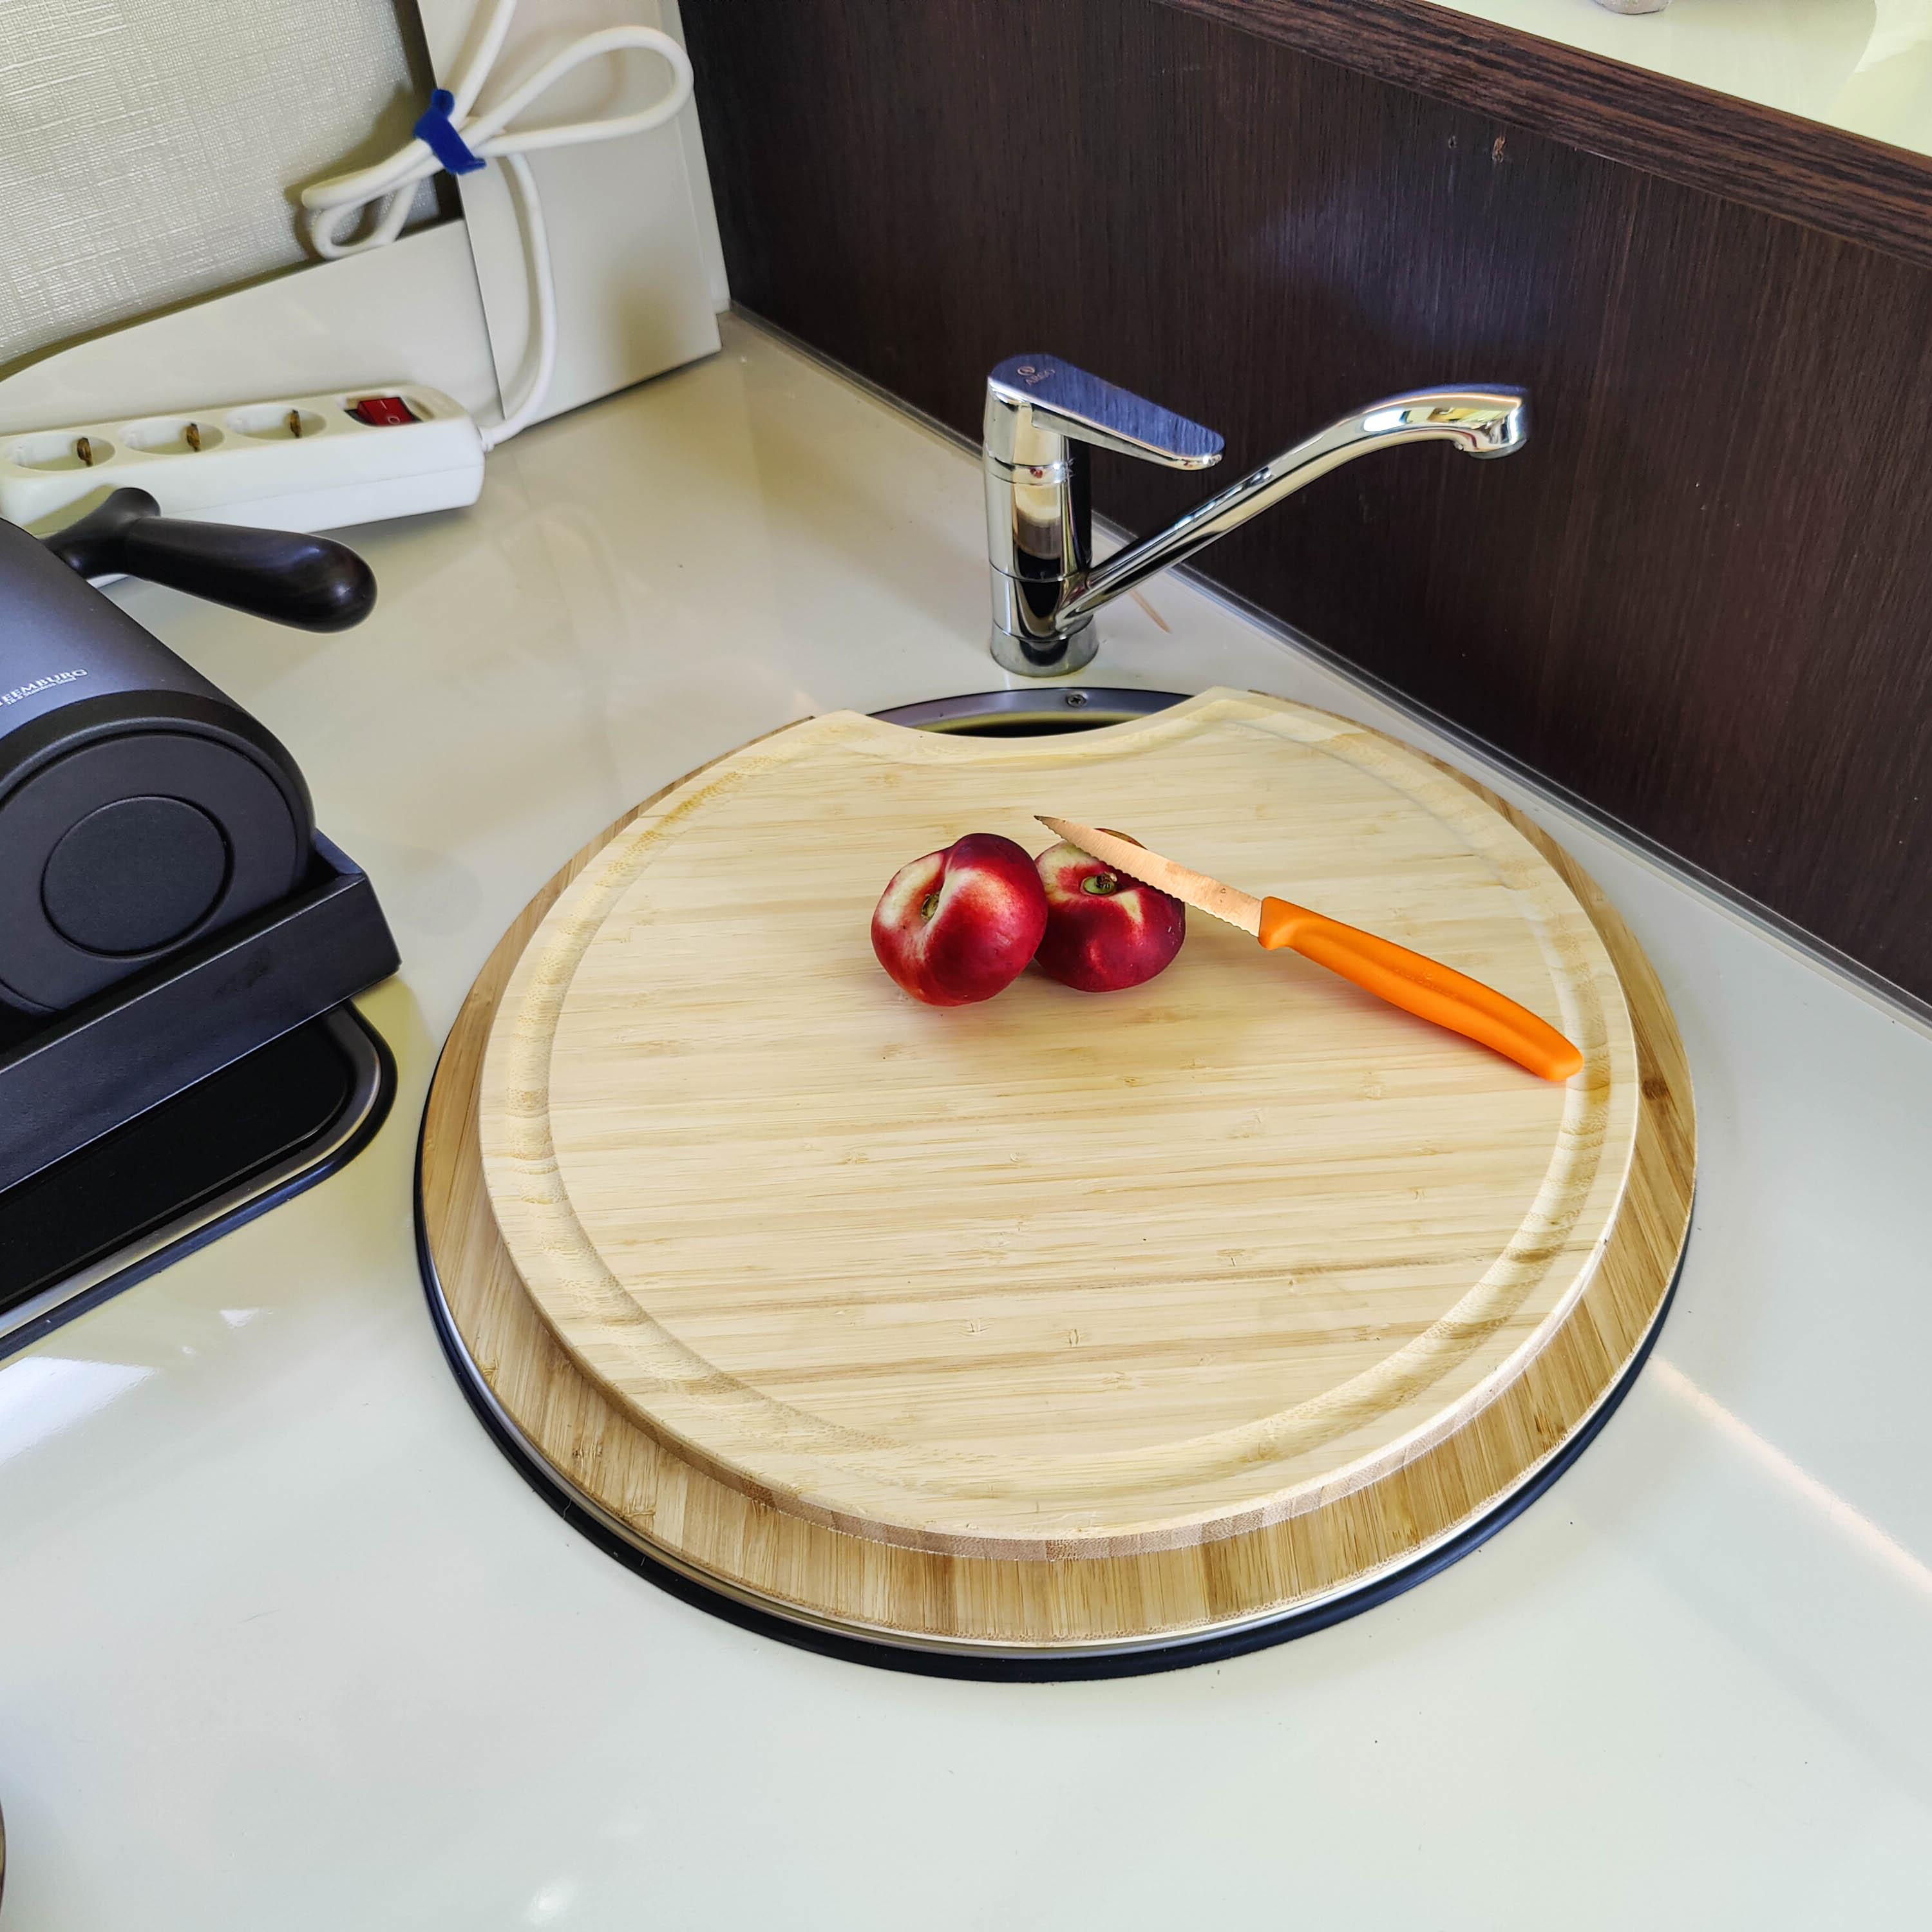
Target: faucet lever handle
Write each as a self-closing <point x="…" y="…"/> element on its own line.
<point x="1034" y="401"/>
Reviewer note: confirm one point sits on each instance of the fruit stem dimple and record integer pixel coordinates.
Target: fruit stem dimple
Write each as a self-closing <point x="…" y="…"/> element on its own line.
<point x="1099" y="882"/>
<point x="929" y="905"/>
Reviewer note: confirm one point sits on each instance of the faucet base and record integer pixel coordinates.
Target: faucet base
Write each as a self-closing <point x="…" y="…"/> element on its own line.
<point x="1056" y="656"/>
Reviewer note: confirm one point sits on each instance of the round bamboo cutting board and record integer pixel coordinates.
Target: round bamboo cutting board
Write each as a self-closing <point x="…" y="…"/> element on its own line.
<point x="1064" y="1325"/>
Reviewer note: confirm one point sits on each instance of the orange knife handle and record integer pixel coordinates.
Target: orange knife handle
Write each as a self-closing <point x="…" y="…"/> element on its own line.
<point x="1424" y="987"/>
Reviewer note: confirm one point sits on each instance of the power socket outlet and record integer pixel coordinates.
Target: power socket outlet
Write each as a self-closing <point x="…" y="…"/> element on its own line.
<point x="298" y="462"/>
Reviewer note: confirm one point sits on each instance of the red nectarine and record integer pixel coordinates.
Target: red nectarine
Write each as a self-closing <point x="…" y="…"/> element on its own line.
<point x="959" y="924"/>
<point x="1104" y="930"/>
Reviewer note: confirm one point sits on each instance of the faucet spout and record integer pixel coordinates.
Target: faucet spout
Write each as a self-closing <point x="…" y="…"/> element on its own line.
<point x="1485" y="422"/>
<point x="1043" y="417"/>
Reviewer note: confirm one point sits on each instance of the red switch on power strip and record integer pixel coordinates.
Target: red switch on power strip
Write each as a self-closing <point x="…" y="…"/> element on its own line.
<point x="380" y="412"/>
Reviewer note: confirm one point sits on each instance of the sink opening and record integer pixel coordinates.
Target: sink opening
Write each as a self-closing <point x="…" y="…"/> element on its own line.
<point x="1030" y="714"/>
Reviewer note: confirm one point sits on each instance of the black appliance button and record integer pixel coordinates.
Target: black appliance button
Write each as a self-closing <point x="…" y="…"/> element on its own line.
<point x="134" y="874"/>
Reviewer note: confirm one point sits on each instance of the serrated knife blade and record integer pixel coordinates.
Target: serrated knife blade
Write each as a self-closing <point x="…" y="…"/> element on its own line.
<point x="1242" y="910"/>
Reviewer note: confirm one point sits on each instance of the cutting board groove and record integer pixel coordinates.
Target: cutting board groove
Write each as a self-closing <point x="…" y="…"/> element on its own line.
<point x="1171" y="1536"/>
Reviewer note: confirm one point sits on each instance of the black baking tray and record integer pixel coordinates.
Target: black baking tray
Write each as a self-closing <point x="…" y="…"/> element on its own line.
<point x="232" y="1146"/>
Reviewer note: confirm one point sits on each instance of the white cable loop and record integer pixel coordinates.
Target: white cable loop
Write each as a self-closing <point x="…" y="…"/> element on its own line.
<point x="393" y="182"/>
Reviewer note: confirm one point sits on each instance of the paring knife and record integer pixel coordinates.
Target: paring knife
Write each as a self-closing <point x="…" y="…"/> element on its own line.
<point x="1423" y="987"/>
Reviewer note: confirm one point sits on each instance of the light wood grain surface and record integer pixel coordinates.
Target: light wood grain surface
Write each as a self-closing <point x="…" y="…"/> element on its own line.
<point x="783" y="1558"/>
<point x="1058" y="1271"/>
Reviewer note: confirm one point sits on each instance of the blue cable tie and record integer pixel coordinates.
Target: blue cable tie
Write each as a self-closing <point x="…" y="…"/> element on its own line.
<point x="445" y="143"/>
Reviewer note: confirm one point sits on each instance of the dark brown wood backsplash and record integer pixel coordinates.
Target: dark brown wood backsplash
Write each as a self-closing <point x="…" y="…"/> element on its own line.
<point x="1842" y="183"/>
<point x="1700" y="599"/>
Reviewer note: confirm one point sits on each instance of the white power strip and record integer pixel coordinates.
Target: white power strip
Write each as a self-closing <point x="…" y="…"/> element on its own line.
<point x="299" y="463"/>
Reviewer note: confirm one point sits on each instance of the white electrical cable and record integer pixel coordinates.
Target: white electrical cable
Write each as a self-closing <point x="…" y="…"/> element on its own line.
<point x="393" y="182"/>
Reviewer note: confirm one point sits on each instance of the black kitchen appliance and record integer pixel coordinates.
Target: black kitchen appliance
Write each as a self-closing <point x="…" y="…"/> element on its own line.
<point x="178" y="944"/>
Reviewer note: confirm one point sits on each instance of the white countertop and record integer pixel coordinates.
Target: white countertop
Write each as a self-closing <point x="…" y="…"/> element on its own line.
<point x="289" y="1644"/>
<point x="1862" y="65"/>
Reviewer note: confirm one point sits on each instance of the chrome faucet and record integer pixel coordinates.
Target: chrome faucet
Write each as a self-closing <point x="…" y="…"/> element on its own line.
<point x="1042" y="416"/>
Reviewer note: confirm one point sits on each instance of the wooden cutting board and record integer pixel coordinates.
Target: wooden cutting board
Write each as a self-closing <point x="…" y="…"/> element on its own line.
<point x="1136" y="1315"/>
<point x="1059" y="1272"/>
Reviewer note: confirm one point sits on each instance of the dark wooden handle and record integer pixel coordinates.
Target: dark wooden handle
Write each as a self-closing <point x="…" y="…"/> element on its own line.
<point x="311" y="582"/>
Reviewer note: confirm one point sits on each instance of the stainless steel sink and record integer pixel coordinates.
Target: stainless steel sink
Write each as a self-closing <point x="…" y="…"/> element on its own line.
<point x="1030" y="714"/>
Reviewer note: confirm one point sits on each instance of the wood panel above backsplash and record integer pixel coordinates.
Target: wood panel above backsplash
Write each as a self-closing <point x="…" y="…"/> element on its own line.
<point x="1700" y="599"/>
